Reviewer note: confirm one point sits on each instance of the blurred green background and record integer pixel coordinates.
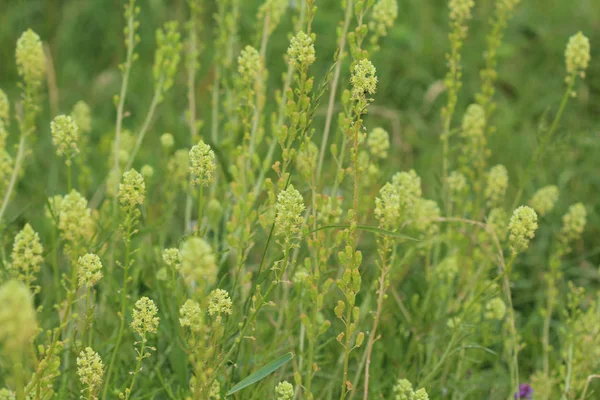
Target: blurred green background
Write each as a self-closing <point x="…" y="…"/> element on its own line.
<point x="86" y="42"/>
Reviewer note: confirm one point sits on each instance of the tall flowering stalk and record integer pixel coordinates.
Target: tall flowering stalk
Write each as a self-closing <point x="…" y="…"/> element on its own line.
<point x="460" y="14"/>
<point x="131" y="40"/>
<point x="577" y="59"/>
<point x="521" y="229"/>
<point x="143" y="322"/>
<point x="31" y="64"/>
<point x="363" y="85"/>
<point x="132" y="192"/>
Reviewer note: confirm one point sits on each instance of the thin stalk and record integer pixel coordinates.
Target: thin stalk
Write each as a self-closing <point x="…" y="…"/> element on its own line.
<point x="514" y="350"/>
<point x="69" y="184"/>
<point x="544" y="142"/>
<point x="36" y="381"/>
<point x="258" y="87"/>
<point x="565" y="393"/>
<point x="123" y="94"/>
<point x="253" y="316"/>
<point x="122" y="314"/>
<point x="546" y="335"/>
<point x="19" y="379"/>
<point x="14" y="175"/>
<point x="348" y="321"/>
<point x="155" y="101"/>
<point x="137" y="367"/>
<point x="372" y="336"/>
<point x="346" y="353"/>
<point x="191" y="107"/>
<point x="334" y="84"/>
<point x="587" y="384"/>
<point x="200" y="208"/>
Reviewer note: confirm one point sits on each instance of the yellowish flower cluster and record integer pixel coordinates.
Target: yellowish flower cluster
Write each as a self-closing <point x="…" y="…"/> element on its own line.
<point x="144" y="317"/>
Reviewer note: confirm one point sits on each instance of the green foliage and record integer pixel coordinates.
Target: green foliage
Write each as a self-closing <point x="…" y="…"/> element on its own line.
<point x="399" y="196"/>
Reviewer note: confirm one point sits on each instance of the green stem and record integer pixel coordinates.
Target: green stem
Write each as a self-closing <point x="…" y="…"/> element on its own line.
<point x="120" y="109"/>
<point x="346" y="352"/>
<point x="122" y="314"/>
<point x="147" y="121"/>
<point x="334" y="85"/>
<point x="544" y="142"/>
<point x="69" y="173"/>
<point x="565" y="393"/>
<point x="137" y="367"/>
<point x="514" y="341"/>
<point x="200" y="209"/>
<point x="56" y="334"/>
<point x="14" y="175"/>
<point x="192" y="106"/>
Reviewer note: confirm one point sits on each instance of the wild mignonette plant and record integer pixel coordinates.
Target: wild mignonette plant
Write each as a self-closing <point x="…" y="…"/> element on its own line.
<point x="271" y="246"/>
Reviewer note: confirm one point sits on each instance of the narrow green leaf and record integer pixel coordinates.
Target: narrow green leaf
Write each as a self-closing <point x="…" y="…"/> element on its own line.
<point x="261" y="373"/>
<point x="367" y="228"/>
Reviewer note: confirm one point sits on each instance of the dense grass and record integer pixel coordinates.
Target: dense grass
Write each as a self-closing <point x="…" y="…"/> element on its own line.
<point x="438" y="277"/>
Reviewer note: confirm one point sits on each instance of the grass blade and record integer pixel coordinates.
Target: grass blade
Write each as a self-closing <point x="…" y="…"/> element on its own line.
<point x="261" y="373"/>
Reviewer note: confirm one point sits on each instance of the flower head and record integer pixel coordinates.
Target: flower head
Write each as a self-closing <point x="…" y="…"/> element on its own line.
<point x="219" y="303"/>
<point x="378" y="142"/>
<point x="90" y="270"/>
<point x="473" y="123"/>
<point x="190" y="315"/>
<point x="387" y="206"/>
<point x="147" y="171"/>
<point x="90" y="370"/>
<point x="249" y="65"/>
<point x="544" y="199"/>
<point x="302" y="50"/>
<point x="383" y="16"/>
<point x="457" y="184"/>
<point x="26" y="255"/>
<point x="409" y="188"/>
<point x="525" y="392"/>
<point x="167" y="55"/>
<point x="460" y="10"/>
<point x="202" y="164"/>
<point x="284" y="391"/>
<point x="17" y="316"/>
<point x="275" y="10"/>
<point x="573" y="224"/>
<point x="75" y="218"/>
<point x="289" y="218"/>
<point x="167" y="141"/>
<point x="577" y="54"/>
<point x="403" y="390"/>
<point x="363" y="80"/>
<point x="6" y="394"/>
<point x="65" y="135"/>
<point x="31" y="61"/>
<point x="198" y="262"/>
<point x="144" y="317"/>
<point x="132" y="190"/>
<point x="172" y="258"/>
<point x="82" y="115"/>
<point x="426" y="212"/>
<point x="521" y="228"/>
<point x="495" y="309"/>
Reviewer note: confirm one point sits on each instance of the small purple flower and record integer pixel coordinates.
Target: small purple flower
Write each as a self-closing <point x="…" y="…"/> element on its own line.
<point x="525" y="392"/>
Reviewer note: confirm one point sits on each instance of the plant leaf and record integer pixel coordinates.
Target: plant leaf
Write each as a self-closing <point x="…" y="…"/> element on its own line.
<point x="261" y="373"/>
